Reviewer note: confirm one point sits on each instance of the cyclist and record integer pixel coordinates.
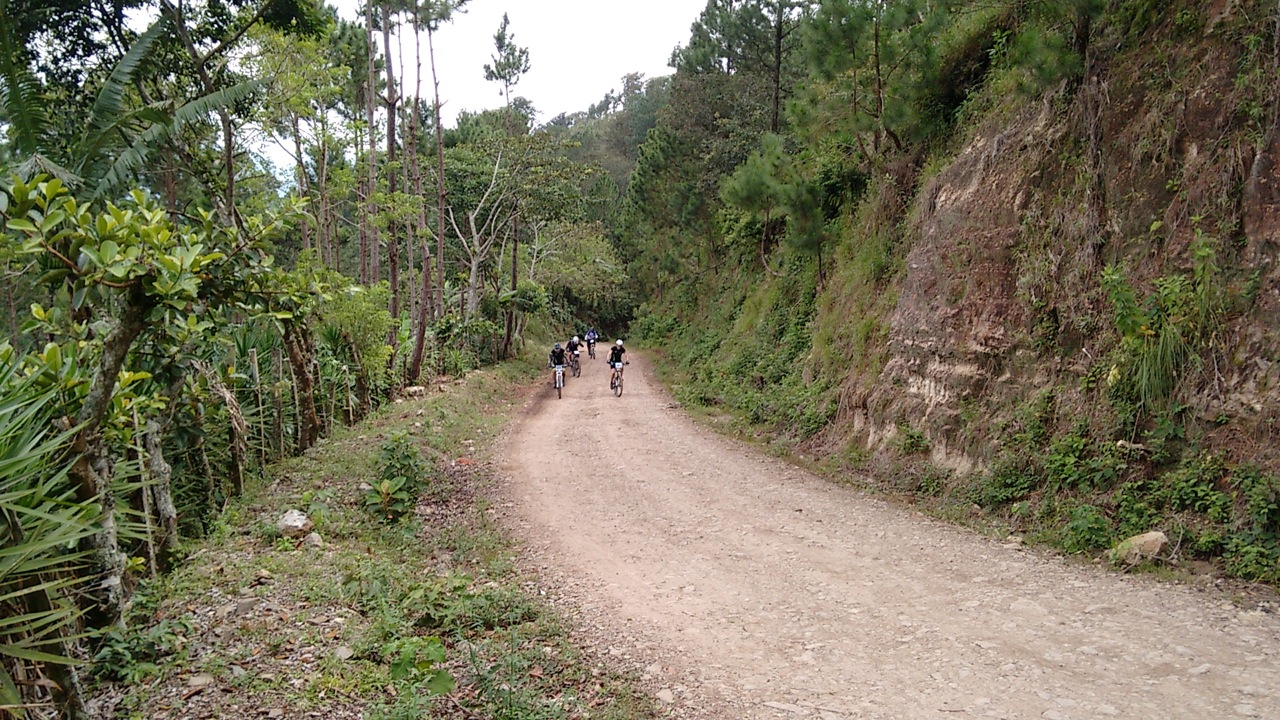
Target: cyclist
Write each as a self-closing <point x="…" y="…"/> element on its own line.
<point x="571" y="349"/>
<point x="616" y="354"/>
<point x="592" y="336"/>
<point x="556" y="358"/>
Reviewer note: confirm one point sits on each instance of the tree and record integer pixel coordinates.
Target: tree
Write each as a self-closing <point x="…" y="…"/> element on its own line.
<point x="433" y="14"/>
<point x="510" y="61"/>
<point x="148" y="277"/>
<point x="207" y="46"/>
<point x="880" y="55"/>
<point x="299" y="87"/>
<point x="747" y="36"/>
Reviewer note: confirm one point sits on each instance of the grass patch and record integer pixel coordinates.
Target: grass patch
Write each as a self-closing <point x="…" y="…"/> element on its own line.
<point x="424" y="616"/>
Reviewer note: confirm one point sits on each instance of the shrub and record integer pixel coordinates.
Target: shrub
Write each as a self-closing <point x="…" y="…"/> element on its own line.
<point x="1007" y="481"/>
<point x="403" y="477"/>
<point x="1087" y="529"/>
<point x="911" y="441"/>
<point x="132" y="655"/>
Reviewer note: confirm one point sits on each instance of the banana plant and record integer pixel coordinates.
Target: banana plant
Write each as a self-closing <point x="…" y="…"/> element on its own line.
<point x="116" y="140"/>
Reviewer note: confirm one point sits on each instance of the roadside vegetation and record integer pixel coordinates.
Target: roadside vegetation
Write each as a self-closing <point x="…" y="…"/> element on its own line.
<point x="1011" y="255"/>
<point x="422" y="613"/>
<point x="1074" y="371"/>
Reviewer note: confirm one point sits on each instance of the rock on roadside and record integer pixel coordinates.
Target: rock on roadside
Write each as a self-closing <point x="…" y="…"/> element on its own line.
<point x="1139" y="547"/>
<point x="294" y="524"/>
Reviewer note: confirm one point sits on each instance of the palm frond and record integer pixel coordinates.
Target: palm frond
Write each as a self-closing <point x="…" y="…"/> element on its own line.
<point x="110" y="101"/>
<point x="37" y="164"/>
<point x="20" y="92"/>
<point x="195" y="111"/>
<point x="39" y="521"/>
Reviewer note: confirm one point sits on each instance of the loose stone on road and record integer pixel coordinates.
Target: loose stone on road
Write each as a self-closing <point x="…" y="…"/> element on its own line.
<point x="743" y="588"/>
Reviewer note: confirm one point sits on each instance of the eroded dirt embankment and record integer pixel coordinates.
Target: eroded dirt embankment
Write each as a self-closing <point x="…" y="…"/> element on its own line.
<point x="744" y="588"/>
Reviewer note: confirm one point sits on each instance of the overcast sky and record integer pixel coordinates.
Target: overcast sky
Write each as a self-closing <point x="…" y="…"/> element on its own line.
<point x="578" y="49"/>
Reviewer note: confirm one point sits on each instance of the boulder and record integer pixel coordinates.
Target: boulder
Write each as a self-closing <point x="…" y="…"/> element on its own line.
<point x="294" y="524"/>
<point x="313" y="540"/>
<point x="1139" y="547"/>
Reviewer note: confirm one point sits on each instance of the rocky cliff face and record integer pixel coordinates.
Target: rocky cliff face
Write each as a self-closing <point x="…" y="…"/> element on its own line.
<point x="1000" y="296"/>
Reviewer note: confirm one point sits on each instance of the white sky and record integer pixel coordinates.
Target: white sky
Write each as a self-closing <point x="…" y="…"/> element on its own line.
<point x="578" y="49"/>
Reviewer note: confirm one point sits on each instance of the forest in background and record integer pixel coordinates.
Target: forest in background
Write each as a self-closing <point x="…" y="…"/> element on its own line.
<point x="1014" y="259"/>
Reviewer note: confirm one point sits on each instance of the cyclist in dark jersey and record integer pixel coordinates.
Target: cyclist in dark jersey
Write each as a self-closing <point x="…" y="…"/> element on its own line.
<point x="556" y="357"/>
<point x="616" y="355"/>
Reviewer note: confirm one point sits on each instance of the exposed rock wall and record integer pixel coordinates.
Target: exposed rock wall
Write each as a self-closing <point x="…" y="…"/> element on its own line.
<point x="1000" y="295"/>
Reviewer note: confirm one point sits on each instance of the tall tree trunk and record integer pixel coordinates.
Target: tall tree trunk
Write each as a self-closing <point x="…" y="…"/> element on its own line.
<point x="304" y="189"/>
<point x="441" y="190"/>
<point x="473" y="285"/>
<point x="170" y="183"/>
<point x="91" y="472"/>
<point x="229" y="164"/>
<point x="362" y="217"/>
<point x="323" y="239"/>
<point x="509" y="337"/>
<point x="371" y="206"/>
<point x="161" y="490"/>
<point x="776" y="70"/>
<point x="296" y="344"/>
<point x="875" y="61"/>
<point x="392" y="101"/>
<point x="426" y="296"/>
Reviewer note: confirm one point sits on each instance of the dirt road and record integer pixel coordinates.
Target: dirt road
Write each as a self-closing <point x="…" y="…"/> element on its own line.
<point x="745" y="588"/>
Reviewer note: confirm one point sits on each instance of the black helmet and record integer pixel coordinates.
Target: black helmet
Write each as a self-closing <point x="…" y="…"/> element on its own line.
<point x="557" y="346"/>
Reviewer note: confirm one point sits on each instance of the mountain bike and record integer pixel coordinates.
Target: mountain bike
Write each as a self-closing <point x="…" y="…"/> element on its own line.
<point x="615" y="382"/>
<point x="591" y="349"/>
<point x="559" y="381"/>
<point x="574" y="363"/>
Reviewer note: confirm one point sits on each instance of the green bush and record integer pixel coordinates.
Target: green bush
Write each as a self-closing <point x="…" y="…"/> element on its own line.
<point x="402" y="479"/>
<point x="132" y="655"/>
<point x="1007" y="481"/>
<point x="1193" y="487"/>
<point x="1087" y="529"/>
<point x="1253" y="557"/>
<point x="652" y="327"/>
<point x="911" y="441"/>
<point x="1253" y="552"/>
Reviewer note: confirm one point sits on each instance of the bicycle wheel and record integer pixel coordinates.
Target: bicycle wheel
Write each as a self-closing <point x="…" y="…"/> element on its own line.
<point x="617" y="387"/>
<point x="577" y="368"/>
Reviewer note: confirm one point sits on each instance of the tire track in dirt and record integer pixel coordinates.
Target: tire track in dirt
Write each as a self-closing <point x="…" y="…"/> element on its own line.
<point x="745" y="588"/>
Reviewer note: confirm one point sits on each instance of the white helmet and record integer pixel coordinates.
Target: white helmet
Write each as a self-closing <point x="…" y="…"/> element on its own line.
<point x="619" y="342"/>
<point x="575" y="338"/>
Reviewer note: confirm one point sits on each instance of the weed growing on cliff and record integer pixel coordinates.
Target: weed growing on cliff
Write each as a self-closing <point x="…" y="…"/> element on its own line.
<point x="911" y="440"/>
<point x="1008" y="480"/>
<point x="1161" y="337"/>
<point x="1253" y="551"/>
